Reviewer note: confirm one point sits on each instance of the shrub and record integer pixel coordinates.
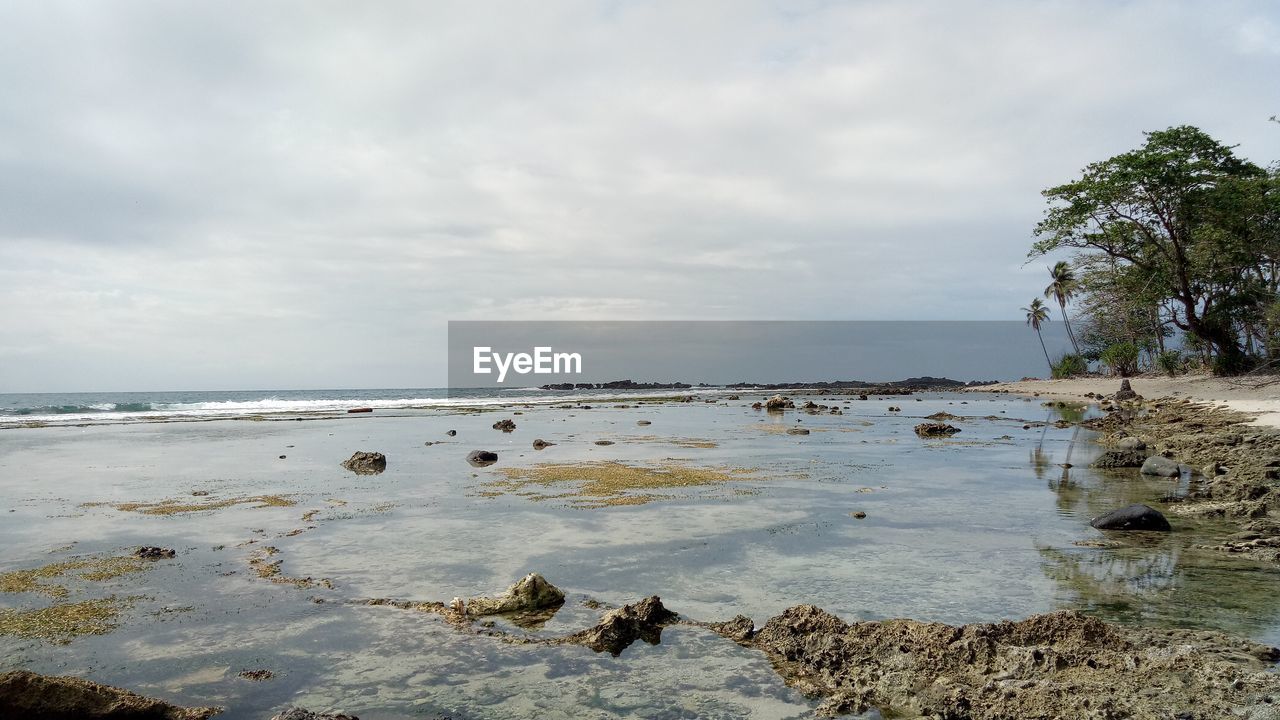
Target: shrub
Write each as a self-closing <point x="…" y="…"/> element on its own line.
<point x="1122" y="358"/>
<point x="1170" y="361"/>
<point x="1069" y="366"/>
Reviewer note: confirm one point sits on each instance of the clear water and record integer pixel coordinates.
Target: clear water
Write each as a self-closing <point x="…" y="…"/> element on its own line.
<point x="973" y="529"/>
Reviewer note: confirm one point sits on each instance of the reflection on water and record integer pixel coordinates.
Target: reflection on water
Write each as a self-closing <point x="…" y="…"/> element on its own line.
<point x="979" y="527"/>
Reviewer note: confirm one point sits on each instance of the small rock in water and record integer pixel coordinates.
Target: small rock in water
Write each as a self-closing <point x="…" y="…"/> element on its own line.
<point x="366" y="463"/>
<point x="1132" y="517"/>
<point x="257" y="675"/>
<point x="148" y="552"/>
<point x="643" y="422"/>
<point x="360" y="410"/>
<point x="505" y="425"/>
<point x="936" y="429"/>
<point x="282" y="457"/>
<point x="451" y="433"/>
<point x="604" y="442"/>
<point x="540" y="444"/>
<point x="798" y="431"/>
<point x="859" y="514"/>
<point x="1160" y="466"/>
<point x="482" y="458"/>
<point x="532" y="592"/>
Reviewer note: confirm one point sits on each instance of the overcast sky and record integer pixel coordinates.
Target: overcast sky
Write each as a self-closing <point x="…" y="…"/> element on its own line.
<point x="293" y="195"/>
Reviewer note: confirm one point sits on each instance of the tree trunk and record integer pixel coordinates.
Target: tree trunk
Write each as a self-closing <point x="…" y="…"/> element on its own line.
<point x="1067" y="321"/>
<point x="1046" y="352"/>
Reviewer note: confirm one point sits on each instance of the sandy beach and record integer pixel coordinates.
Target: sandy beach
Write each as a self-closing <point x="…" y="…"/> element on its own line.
<point x="1255" y="396"/>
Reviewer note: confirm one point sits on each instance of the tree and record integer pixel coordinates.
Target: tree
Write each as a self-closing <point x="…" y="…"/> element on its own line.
<point x="1187" y="216"/>
<point x="1062" y="288"/>
<point x="1037" y="315"/>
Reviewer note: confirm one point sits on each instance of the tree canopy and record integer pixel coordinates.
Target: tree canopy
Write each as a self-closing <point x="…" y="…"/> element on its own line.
<point x="1182" y="227"/>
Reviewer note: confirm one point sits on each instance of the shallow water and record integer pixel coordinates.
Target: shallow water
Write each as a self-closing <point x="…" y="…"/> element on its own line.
<point x="976" y="528"/>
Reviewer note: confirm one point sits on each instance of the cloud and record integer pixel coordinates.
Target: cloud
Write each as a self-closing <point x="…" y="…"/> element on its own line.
<point x="302" y="194"/>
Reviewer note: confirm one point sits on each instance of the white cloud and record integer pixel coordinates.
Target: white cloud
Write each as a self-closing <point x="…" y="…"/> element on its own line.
<point x="232" y="195"/>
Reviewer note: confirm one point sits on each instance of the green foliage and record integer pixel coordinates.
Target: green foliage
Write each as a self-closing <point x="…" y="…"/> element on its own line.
<point x="1122" y="358"/>
<point x="1069" y="366"/>
<point x="1169" y="362"/>
<point x="1178" y="232"/>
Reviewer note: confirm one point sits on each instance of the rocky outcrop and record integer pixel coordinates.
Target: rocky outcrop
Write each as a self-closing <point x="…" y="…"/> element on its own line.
<point x="778" y="402"/>
<point x="1113" y="459"/>
<point x="366" y="463"/>
<point x="300" y="714"/>
<point x="30" y="696"/>
<point x="619" y="628"/>
<point x="148" y="552"/>
<point x="1059" y="665"/>
<point x="936" y="429"/>
<point x="1125" y="392"/>
<point x="1132" y="517"/>
<point x="531" y="593"/>
<point x="1160" y="466"/>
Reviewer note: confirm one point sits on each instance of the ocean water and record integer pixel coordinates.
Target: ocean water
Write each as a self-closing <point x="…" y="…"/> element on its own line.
<point x="983" y="526"/>
<point x="71" y="408"/>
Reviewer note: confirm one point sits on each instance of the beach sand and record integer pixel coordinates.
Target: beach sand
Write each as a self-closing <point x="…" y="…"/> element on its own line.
<point x="1255" y="396"/>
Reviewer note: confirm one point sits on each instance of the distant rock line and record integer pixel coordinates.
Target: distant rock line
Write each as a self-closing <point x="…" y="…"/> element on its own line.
<point x="926" y="382"/>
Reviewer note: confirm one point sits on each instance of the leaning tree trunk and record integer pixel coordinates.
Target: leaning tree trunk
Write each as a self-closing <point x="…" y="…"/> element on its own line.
<point x="1071" y="335"/>
<point x="1046" y="352"/>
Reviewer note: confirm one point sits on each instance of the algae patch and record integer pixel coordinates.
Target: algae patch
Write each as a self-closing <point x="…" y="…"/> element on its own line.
<point x="91" y="569"/>
<point x="178" y="507"/>
<point x="61" y="622"/>
<point x="601" y="484"/>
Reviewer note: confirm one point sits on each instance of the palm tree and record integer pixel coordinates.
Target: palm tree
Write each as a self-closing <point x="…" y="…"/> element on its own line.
<point x="1062" y="289"/>
<point x="1037" y="315"/>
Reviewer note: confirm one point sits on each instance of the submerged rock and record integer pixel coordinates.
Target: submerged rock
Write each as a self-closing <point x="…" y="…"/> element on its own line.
<point x="1058" y="665"/>
<point x="797" y="431"/>
<point x="366" y="463"/>
<point x="27" y="695"/>
<point x="619" y="628"/>
<point x="533" y="592"/>
<point x="1113" y="459"/>
<point x="541" y="444"/>
<point x="1160" y="466"/>
<point x="482" y="458"/>
<point x="505" y="425"/>
<point x="300" y="714"/>
<point x="1132" y="517"/>
<point x="936" y="429"/>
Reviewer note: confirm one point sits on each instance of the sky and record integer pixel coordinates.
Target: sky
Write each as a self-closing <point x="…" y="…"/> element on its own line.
<point x="246" y="195"/>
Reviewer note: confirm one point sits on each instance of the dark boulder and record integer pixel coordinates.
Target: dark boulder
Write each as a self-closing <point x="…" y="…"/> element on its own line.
<point x="505" y="425"/>
<point x="541" y="444"/>
<point x="1132" y="517"/>
<point x="482" y="458"/>
<point x="300" y="714"/>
